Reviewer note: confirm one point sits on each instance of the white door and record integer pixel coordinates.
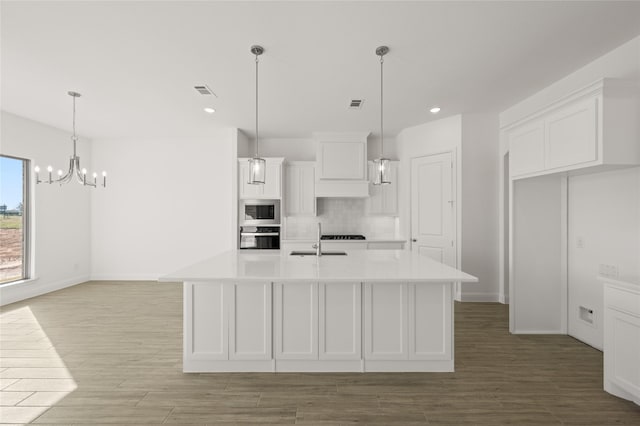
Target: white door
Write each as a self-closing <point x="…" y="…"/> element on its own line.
<point x="433" y="207"/>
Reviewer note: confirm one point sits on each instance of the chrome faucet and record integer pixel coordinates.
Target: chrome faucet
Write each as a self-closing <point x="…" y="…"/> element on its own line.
<point x="318" y="244"/>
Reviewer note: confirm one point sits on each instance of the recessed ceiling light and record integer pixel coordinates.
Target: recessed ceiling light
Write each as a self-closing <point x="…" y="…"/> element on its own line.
<point x="209" y="110"/>
<point x="435" y="110"/>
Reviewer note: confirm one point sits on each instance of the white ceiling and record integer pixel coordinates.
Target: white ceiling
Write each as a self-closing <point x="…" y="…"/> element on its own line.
<point x="136" y="63"/>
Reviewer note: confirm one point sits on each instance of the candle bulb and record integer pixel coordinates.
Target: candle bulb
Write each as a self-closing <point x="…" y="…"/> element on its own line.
<point x="84" y="176"/>
<point x="59" y="172"/>
<point x="50" y="169"/>
<point x="95" y="175"/>
<point x="37" y="170"/>
<point x="104" y="179"/>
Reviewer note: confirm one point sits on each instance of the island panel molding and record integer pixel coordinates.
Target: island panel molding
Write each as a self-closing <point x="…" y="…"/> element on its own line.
<point x="381" y="310"/>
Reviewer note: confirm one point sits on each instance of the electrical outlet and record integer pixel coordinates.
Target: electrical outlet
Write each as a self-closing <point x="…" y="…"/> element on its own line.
<point x="609" y="271"/>
<point x="580" y="242"/>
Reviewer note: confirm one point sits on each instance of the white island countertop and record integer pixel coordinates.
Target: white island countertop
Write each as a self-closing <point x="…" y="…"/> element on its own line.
<point x="357" y="265"/>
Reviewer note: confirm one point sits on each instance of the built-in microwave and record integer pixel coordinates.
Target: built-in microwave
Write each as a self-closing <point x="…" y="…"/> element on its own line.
<point x="259" y="212"/>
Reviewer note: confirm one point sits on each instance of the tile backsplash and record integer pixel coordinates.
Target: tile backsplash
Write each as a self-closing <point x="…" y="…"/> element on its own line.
<point x="341" y="216"/>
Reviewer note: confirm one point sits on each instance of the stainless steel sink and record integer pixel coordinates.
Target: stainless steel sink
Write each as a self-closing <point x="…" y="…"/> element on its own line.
<point x="313" y="253"/>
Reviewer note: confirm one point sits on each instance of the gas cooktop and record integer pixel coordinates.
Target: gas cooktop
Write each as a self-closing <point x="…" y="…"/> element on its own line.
<point x="343" y="237"/>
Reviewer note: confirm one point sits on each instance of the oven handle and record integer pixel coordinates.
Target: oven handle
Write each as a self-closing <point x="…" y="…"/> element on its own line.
<point x="260" y="234"/>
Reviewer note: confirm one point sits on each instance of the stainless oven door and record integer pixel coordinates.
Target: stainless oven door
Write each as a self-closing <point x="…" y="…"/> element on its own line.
<point x="260" y="240"/>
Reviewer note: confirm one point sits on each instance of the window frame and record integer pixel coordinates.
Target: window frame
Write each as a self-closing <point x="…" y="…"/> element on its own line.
<point x="26" y="220"/>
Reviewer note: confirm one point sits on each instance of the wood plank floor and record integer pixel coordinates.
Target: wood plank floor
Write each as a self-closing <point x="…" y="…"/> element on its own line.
<point x="110" y="353"/>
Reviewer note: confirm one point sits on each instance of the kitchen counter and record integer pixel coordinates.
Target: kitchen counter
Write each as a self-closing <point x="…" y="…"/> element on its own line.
<point x="268" y="311"/>
<point x="360" y="265"/>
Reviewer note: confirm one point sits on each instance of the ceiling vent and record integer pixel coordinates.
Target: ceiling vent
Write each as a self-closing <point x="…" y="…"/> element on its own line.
<point x="204" y="90"/>
<point x="356" y="103"/>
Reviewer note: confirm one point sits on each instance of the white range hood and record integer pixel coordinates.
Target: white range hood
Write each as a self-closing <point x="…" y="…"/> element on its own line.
<point x="341" y="165"/>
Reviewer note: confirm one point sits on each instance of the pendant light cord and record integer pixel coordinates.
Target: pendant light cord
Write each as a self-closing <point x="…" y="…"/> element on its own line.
<point x="256" y="106"/>
<point x="74" y="138"/>
<point x="381" y="107"/>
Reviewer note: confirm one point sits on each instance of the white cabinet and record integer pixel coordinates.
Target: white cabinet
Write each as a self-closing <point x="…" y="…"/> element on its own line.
<point x="339" y="321"/>
<point x="250" y="321"/>
<point x="385" y="321"/>
<point x="317" y="321"/>
<point x="229" y="322"/>
<point x="594" y="127"/>
<point x="299" y="188"/>
<point x="207" y="338"/>
<point x="408" y="321"/>
<point x="383" y="199"/>
<point x="526" y="149"/>
<point x="296" y="320"/>
<point x="622" y="340"/>
<point x="386" y="245"/>
<point x="341" y="246"/>
<point x="272" y="187"/>
<point x="572" y="134"/>
<point x="341" y="165"/>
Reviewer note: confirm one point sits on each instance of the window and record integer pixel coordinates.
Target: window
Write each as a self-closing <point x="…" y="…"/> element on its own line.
<point x="14" y="219"/>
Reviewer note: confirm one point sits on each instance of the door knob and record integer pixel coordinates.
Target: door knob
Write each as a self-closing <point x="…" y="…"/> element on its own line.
<point x="414" y="240"/>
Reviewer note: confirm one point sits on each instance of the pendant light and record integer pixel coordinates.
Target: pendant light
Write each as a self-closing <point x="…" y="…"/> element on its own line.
<point x="382" y="165"/>
<point x="74" y="162"/>
<point x="257" y="165"/>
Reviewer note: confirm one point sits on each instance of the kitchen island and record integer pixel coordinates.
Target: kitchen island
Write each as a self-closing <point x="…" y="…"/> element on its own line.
<point x="382" y="310"/>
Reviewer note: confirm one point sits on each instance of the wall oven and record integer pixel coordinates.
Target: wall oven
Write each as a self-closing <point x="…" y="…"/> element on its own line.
<point x="260" y="237"/>
<point x="259" y="212"/>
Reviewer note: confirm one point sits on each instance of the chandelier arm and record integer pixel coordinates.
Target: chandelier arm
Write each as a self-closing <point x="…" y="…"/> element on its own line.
<point x="67" y="177"/>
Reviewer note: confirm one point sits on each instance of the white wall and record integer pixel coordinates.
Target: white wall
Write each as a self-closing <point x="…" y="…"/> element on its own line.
<point x="473" y="138"/>
<point x="480" y="135"/>
<point x="169" y="204"/>
<point x="604" y="213"/>
<point x="61" y="214"/>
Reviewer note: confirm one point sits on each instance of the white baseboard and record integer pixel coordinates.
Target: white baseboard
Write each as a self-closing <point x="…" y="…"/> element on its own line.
<point x="11" y="293"/>
<point x="479" y="297"/>
<point x="125" y="277"/>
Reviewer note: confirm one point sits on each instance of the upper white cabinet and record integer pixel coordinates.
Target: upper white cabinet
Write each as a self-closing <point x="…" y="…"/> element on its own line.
<point x="272" y="187"/>
<point x="526" y="148"/>
<point x="299" y="188"/>
<point x="383" y="199"/>
<point x="571" y="134"/>
<point x="341" y="165"/>
<point x="594" y="127"/>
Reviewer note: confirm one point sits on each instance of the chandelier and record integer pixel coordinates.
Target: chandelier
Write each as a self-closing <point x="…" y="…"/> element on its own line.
<point x="74" y="162"/>
<point x="381" y="166"/>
